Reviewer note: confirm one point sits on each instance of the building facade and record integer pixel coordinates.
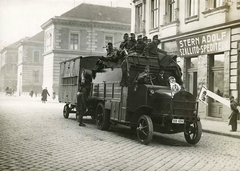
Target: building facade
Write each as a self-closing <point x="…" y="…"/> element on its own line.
<point x="205" y="34"/>
<point x="30" y="64"/>
<point x="8" y="67"/>
<point x="85" y="30"/>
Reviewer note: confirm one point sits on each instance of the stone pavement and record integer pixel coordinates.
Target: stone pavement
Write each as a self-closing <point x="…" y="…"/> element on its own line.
<point x="219" y="127"/>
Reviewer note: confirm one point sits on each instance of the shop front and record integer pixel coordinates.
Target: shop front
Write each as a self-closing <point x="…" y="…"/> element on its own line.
<point x="206" y="63"/>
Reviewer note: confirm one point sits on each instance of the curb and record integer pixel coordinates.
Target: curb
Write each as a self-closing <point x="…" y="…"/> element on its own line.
<point x="221" y="133"/>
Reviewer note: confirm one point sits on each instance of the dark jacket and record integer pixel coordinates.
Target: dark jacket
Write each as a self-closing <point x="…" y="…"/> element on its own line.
<point x="123" y="45"/>
<point x="81" y="100"/>
<point x="44" y="95"/>
<point x="139" y="47"/>
<point x="131" y="45"/>
<point x="151" y="49"/>
<point x="235" y="112"/>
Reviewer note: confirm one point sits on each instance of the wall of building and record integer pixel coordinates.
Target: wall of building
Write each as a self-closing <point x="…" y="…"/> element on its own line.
<point x="207" y="21"/>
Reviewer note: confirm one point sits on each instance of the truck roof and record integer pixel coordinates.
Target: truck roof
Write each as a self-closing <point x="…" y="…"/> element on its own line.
<point x="82" y="57"/>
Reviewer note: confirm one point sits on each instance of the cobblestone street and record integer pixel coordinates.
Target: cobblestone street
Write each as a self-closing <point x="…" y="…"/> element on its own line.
<point x="35" y="136"/>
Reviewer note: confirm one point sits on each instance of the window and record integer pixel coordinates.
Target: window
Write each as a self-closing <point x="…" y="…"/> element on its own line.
<point x="139" y="18"/>
<point x="74" y="41"/>
<point x="154" y="13"/>
<point x="213" y="4"/>
<point x="217" y="3"/>
<point x="108" y="39"/>
<point x="192" y="68"/>
<point x="171" y="10"/>
<point x="36" y="76"/>
<point x="192" y="8"/>
<point x="36" y="56"/>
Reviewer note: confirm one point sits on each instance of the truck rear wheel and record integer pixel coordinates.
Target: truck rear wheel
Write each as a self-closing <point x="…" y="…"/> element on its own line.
<point x="145" y="129"/>
<point x="193" y="132"/>
<point x="102" y="117"/>
<point x="66" y="111"/>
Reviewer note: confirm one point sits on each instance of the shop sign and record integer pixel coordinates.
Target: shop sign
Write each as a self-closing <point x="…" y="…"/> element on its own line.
<point x="211" y="42"/>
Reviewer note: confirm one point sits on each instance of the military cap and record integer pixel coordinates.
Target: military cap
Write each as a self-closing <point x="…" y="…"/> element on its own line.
<point x="139" y="37"/>
<point x="155" y="37"/>
<point x="145" y="37"/>
<point x="126" y="34"/>
<point x="109" y="43"/>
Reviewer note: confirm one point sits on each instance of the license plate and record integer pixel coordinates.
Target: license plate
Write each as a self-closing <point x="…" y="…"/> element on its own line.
<point x="178" y="121"/>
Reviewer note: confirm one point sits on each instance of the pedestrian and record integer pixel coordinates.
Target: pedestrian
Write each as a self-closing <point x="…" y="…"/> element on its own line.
<point x="44" y="95"/>
<point x="54" y="95"/>
<point x="234" y="114"/>
<point x="31" y="93"/>
<point x="81" y="105"/>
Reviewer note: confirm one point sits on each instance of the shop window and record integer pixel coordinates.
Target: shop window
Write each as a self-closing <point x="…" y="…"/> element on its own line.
<point x="154" y="13"/>
<point x="192" y="69"/>
<point x="217" y="66"/>
<point x="74" y="40"/>
<point x="216" y="83"/>
<point x="139" y="18"/>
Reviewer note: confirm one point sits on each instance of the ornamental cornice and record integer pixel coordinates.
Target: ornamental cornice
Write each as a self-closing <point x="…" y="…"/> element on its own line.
<point x="96" y="24"/>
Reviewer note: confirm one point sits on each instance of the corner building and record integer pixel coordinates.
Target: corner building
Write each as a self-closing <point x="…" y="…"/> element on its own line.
<point x="205" y="34"/>
<point x="83" y="31"/>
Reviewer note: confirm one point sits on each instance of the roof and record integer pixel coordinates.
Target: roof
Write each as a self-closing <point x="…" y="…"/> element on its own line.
<point x="37" y="37"/>
<point x="100" y="13"/>
<point x="13" y="45"/>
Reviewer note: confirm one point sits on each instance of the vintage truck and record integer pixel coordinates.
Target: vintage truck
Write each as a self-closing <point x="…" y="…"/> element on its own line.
<point x="116" y="95"/>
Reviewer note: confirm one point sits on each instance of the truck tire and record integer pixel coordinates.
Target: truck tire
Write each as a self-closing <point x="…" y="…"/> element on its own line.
<point x="102" y="117"/>
<point x="66" y="111"/>
<point x="145" y="129"/>
<point x="193" y="132"/>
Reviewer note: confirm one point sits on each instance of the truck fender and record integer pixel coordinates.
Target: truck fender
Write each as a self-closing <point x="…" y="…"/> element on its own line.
<point x="141" y="110"/>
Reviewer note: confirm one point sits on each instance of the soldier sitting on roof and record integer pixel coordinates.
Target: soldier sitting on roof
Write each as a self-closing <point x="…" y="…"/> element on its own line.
<point x="140" y="46"/>
<point x="111" y="54"/>
<point x="131" y="44"/>
<point x="152" y="49"/>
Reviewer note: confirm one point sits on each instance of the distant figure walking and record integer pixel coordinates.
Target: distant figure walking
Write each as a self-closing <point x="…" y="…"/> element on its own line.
<point x="54" y="95"/>
<point x="44" y="95"/>
<point x="234" y="114"/>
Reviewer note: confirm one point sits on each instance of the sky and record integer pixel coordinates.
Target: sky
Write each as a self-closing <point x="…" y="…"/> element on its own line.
<point x="23" y="18"/>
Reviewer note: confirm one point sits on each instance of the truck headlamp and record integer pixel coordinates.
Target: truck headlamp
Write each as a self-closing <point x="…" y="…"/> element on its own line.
<point x="151" y="92"/>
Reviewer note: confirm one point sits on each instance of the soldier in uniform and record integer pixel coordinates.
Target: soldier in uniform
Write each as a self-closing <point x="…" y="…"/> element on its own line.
<point x="140" y="46"/>
<point x="152" y="49"/>
<point x="145" y="39"/>
<point x="124" y="43"/>
<point x="81" y="105"/>
<point x="131" y="44"/>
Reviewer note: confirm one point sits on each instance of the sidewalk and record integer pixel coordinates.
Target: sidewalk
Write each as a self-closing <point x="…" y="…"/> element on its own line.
<point x="219" y="127"/>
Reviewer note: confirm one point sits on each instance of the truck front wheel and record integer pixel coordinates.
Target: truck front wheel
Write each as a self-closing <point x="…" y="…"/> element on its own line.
<point x="193" y="132"/>
<point x="145" y="129"/>
<point x="102" y="117"/>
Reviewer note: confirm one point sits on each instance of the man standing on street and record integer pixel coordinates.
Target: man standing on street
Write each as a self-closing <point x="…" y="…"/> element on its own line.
<point x="44" y="95"/>
<point x="81" y="105"/>
<point x="234" y="114"/>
